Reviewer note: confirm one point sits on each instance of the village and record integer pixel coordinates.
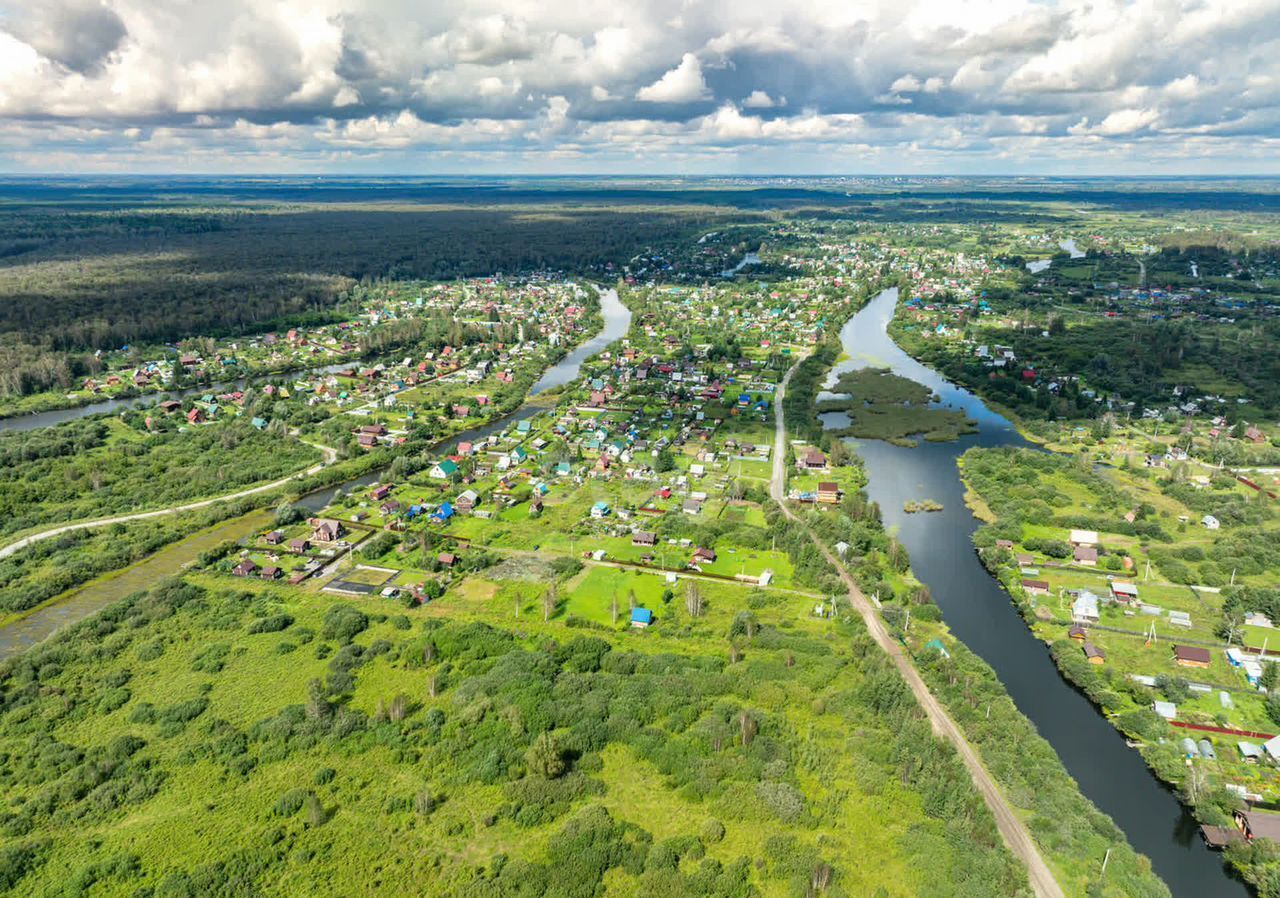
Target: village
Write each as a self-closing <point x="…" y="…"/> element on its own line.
<point x="335" y="362"/>
<point x="656" y="461"/>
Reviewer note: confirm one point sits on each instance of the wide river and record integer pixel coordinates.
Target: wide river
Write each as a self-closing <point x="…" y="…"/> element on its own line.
<point x="981" y="614"/>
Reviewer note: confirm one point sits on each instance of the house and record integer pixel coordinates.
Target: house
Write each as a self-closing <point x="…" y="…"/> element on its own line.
<point x="325" y="530"/>
<point x="691" y="506"/>
<point x="443" y="513"/>
<point x="443" y="470"/>
<point x="1036" y="587"/>
<point x="641" y="618"/>
<point x="1249" y="752"/>
<point x="270" y="573"/>
<point x="1083" y="538"/>
<point x="644" y="538"/>
<point x="380" y="492"/>
<point x="376" y="430"/>
<point x="701" y="555"/>
<point x="600" y="510"/>
<point x="1086" y="555"/>
<point x="829" y="492"/>
<point x="1254" y="435"/>
<point x="1191" y="656"/>
<point x="389" y="508"/>
<point x="1077" y="632"/>
<point x="467" y="501"/>
<point x="1004" y="544"/>
<point x="244" y="568"/>
<point x="274" y="538"/>
<point x="367" y="440"/>
<point x="1272" y="748"/>
<point x="448" y="559"/>
<point x="195" y="416"/>
<point x="298" y="546"/>
<point x="1085" y="608"/>
<point x="1124" y="591"/>
<point x="813" y="460"/>
<point x="937" y="646"/>
<point x="1094" y="654"/>
<point x="169" y="406"/>
<point x="1257" y="825"/>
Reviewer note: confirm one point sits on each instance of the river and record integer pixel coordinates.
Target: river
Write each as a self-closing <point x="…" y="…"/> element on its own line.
<point x="748" y="259"/>
<point x="45" y="621"/>
<point x="981" y="614"/>
<point x="1069" y="245"/>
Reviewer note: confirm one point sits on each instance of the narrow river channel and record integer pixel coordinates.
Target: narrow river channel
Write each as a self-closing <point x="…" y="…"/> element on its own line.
<point x="43" y="622"/>
<point x="981" y="614"/>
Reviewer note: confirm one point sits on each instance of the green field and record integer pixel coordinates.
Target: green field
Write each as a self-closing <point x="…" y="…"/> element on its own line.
<point x="277" y="741"/>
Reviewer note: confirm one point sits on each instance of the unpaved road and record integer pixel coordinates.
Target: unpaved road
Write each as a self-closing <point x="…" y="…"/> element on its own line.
<point x="330" y="456"/>
<point x="1011" y="827"/>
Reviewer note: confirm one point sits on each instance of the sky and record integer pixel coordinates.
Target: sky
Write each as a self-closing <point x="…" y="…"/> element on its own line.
<point x="640" y="86"/>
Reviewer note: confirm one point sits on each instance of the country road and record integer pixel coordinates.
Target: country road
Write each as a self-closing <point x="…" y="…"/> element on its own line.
<point x="330" y="456"/>
<point x="1011" y="827"/>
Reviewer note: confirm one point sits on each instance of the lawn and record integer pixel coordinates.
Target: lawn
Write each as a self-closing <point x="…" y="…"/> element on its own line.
<point x="592" y="594"/>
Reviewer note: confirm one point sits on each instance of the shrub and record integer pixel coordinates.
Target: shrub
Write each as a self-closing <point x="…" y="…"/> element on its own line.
<point x="712" y="831"/>
<point x="344" y="623"/>
<point x="782" y="799"/>
<point x="273" y="624"/>
<point x="545" y="756"/>
<point x="291" y="802"/>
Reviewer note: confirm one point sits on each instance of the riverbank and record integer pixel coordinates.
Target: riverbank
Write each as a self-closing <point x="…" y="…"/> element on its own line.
<point x="1121" y="654"/>
<point x="977" y="611"/>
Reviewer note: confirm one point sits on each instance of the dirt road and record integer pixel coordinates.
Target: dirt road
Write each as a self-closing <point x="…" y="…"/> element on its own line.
<point x="330" y="456"/>
<point x="1011" y="827"/>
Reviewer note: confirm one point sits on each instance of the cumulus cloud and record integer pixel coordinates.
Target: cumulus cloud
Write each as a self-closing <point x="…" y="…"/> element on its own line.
<point x="77" y="34"/>
<point x="761" y="100"/>
<point x="328" y="83"/>
<point x="683" y="84"/>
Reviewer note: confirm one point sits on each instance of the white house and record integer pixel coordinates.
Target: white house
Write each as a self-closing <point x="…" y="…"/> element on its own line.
<point x="1083" y="538"/>
<point x="1085" y="607"/>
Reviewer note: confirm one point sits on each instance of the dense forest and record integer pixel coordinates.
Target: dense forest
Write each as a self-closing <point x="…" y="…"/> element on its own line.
<point x="74" y="281"/>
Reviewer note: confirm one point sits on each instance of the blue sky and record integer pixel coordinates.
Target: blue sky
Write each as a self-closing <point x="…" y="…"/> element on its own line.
<point x="659" y="86"/>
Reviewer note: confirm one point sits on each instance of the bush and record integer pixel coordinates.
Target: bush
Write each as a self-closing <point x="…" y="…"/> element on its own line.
<point x="783" y="799"/>
<point x="291" y="802"/>
<point x="545" y="757"/>
<point x="712" y="831"/>
<point x="344" y="623"/>
<point x="566" y="567"/>
<point x="273" y="624"/>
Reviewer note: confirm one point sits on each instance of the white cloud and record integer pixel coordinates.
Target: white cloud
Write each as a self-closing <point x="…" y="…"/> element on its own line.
<point x="1120" y="122"/>
<point x="1018" y="80"/>
<point x="683" y="84"/>
<point x="761" y="100"/>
